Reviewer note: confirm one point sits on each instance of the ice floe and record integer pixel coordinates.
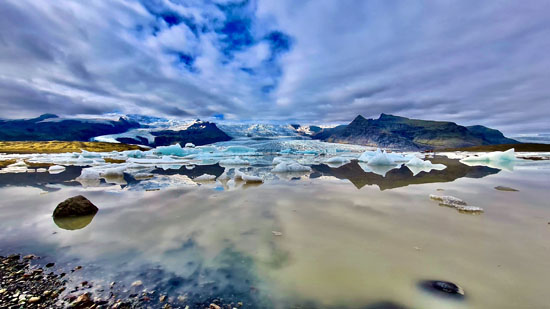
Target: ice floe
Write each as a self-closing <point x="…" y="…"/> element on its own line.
<point x="205" y="178"/>
<point x="237" y="161"/>
<point x="56" y="169"/>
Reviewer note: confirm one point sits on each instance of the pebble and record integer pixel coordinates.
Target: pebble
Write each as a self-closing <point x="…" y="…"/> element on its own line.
<point x="137" y="283"/>
<point x="34" y="299"/>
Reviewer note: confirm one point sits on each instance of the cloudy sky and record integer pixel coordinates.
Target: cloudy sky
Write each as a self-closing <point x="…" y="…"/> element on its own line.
<point x="317" y="61"/>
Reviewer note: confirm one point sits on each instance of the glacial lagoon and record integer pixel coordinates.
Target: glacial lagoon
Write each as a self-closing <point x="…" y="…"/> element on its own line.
<point x="336" y="236"/>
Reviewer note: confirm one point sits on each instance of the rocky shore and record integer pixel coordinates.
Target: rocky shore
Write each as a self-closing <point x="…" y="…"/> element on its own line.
<point x="24" y="284"/>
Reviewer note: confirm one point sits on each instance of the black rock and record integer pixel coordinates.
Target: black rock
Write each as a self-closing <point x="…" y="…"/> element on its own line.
<point x="442" y="288"/>
<point x="49" y="127"/>
<point x="75" y="207"/>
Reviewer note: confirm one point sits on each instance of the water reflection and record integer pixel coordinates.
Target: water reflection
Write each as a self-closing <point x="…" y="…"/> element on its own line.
<point x="73" y="223"/>
<point x="402" y="176"/>
<point x="155" y="178"/>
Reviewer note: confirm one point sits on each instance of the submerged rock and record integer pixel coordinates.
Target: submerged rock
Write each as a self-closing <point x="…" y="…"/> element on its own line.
<point x="502" y="188"/>
<point x="442" y="288"/>
<point x="447" y="200"/>
<point x="74" y="207"/>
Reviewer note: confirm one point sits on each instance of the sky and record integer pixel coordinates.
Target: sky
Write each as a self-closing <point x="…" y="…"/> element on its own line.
<point x="310" y="61"/>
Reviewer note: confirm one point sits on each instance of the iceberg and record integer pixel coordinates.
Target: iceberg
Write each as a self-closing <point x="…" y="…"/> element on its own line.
<point x="290" y="167"/>
<point x="113" y="171"/>
<point x="251" y="179"/>
<point x="56" y="169"/>
<point x="205" y="178"/>
<point x="381" y="159"/>
<point x="235" y="161"/>
<point x="504" y="160"/>
<point x="497" y="156"/>
<point x="17" y="167"/>
<point x="239" y="150"/>
<point x="189" y="145"/>
<point x="88" y="154"/>
<point x="174" y="150"/>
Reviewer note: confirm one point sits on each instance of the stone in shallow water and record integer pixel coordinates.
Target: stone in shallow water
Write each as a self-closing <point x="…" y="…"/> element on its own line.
<point x="442" y="288"/>
<point x="503" y="188"/>
<point x="74" y="207"/>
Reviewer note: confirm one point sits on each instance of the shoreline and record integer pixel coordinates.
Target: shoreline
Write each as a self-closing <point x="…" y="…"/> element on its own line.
<point x="30" y="147"/>
<point x="29" y="285"/>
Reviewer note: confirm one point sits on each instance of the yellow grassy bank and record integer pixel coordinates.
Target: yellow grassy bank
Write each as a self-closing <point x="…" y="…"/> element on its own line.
<point x="59" y="147"/>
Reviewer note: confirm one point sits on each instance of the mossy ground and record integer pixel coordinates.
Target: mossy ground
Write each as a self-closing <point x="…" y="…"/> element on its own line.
<point x="60" y="147"/>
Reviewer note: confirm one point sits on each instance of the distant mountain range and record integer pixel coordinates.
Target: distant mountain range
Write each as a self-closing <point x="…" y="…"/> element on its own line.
<point x="396" y="132"/>
<point x="387" y="131"/>
<point x="49" y="127"/>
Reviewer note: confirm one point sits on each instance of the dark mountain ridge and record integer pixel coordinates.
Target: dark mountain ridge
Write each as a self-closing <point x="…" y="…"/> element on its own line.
<point x="395" y="132"/>
<point x="49" y="127"/>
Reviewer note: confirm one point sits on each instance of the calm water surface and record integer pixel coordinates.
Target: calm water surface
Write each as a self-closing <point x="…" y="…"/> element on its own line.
<point x="349" y="239"/>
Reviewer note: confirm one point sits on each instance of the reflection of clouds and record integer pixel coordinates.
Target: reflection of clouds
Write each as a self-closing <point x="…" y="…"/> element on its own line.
<point x="501" y="165"/>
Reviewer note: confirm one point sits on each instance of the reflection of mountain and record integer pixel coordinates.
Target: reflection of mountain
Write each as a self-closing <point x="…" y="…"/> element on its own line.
<point x="402" y="177"/>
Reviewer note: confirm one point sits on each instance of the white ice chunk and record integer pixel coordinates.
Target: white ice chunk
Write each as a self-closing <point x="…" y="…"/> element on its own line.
<point x="113" y="171"/>
<point x="251" y="179"/>
<point x="497" y="156"/>
<point x="88" y="154"/>
<point x="381" y="159"/>
<point x="56" y="169"/>
<point x="234" y="162"/>
<point x="174" y="150"/>
<point x="205" y="178"/>
<point x="189" y="145"/>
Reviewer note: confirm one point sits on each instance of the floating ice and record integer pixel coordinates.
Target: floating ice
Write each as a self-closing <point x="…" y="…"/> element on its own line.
<point x="224" y="176"/>
<point x="289" y="167"/>
<point x="88" y="154"/>
<point x="134" y="154"/>
<point x="17" y="167"/>
<point x="497" y="156"/>
<point x="234" y="162"/>
<point x="381" y="159"/>
<point x="251" y="179"/>
<point x="189" y="145"/>
<point x="239" y="150"/>
<point x="504" y="160"/>
<point x="205" y="177"/>
<point x="56" y="169"/>
<point x="113" y="171"/>
<point x="174" y="150"/>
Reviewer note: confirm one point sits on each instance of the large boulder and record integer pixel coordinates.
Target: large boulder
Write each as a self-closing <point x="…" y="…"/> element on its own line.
<point x="75" y="206"/>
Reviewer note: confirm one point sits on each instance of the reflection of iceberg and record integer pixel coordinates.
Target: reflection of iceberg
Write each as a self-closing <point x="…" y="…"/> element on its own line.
<point x="504" y="160"/>
<point x="73" y="223"/>
<point x="417" y="165"/>
<point x="290" y="166"/>
<point x="378" y="169"/>
<point x="337" y="161"/>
